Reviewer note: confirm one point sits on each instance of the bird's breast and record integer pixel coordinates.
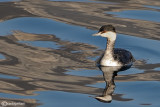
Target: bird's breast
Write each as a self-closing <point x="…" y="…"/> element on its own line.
<point x="109" y="62"/>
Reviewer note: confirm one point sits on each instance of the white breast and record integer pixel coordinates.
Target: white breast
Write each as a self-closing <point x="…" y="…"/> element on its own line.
<point x="109" y="62"/>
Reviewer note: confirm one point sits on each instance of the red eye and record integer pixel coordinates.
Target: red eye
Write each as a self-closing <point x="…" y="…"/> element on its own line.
<point x="103" y="32"/>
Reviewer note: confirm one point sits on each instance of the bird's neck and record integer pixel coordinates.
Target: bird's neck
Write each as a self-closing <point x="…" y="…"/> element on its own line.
<point x="109" y="48"/>
<point x="110" y="43"/>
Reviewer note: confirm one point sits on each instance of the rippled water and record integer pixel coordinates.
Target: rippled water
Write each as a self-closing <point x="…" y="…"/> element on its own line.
<point x="139" y="14"/>
<point x="8" y="76"/>
<point x="2" y="56"/>
<point x="49" y="63"/>
<point x="87" y="1"/>
<point x="45" y="44"/>
<point x="154" y="7"/>
<point x="8" y="0"/>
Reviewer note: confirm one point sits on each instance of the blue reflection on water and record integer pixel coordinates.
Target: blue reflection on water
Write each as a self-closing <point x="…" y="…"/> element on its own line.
<point x="90" y="73"/>
<point x="45" y="44"/>
<point x="131" y="71"/>
<point x="86" y="1"/>
<point x="84" y="72"/>
<point x="157" y="69"/>
<point x="141" y="48"/>
<point x="2" y="56"/>
<point x="59" y="99"/>
<point x="147" y="15"/>
<point x="8" y="76"/>
<point x="145" y="92"/>
<point x="73" y="0"/>
<point x="154" y="7"/>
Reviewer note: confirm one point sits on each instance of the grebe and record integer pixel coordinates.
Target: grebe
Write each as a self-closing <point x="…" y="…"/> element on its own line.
<point x="113" y="56"/>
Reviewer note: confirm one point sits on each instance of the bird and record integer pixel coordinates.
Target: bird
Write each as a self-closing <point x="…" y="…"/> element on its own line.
<point x="113" y="56"/>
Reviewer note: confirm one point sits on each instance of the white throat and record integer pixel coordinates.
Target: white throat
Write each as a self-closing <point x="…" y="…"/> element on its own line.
<point x="110" y="35"/>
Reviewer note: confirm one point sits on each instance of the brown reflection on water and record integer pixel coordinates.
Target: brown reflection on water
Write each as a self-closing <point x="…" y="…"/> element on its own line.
<point x="8" y="10"/>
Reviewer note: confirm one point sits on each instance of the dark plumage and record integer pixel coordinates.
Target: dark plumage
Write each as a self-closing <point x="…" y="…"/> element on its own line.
<point x="123" y="56"/>
<point x="105" y="28"/>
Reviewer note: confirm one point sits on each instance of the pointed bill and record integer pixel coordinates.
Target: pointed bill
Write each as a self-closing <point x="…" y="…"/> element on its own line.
<point x="97" y="34"/>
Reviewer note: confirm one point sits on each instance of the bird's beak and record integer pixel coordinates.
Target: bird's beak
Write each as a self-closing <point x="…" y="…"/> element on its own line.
<point x="97" y="34"/>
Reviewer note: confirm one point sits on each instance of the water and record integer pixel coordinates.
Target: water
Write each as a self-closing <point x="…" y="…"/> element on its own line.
<point x="87" y="1"/>
<point x="138" y="14"/>
<point x="154" y="7"/>
<point x="51" y="63"/>
<point x="73" y="0"/>
<point x="34" y="25"/>
<point x="8" y="0"/>
<point x="45" y="44"/>
<point x="2" y="56"/>
<point x="137" y="95"/>
<point x="8" y="76"/>
<point x="88" y="73"/>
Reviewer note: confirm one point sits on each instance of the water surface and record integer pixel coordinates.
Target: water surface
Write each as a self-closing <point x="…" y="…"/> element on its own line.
<point x="44" y="44"/>
<point x="144" y="49"/>
<point x="87" y="1"/>
<point x="54" y="64"/>
<point x="2" y="56"/>
<point x="154" y="7"/>
<point x="8" y="0"/>
<point x="8" y="76"/>
<point x="147" y="15"/>
<point x="80" y="34"/>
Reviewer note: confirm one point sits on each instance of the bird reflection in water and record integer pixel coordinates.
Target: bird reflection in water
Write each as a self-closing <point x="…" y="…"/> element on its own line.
<point x="109" y="73"/>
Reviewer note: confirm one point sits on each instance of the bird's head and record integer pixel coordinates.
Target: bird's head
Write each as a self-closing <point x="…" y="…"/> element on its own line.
<point x="107" y="31"/>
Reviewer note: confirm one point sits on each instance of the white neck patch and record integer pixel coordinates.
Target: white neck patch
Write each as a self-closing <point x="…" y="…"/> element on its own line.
<point x="110" y="35"/>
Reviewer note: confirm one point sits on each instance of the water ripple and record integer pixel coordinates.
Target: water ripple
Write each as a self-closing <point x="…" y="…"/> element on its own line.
<point x="147" y="15"/>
